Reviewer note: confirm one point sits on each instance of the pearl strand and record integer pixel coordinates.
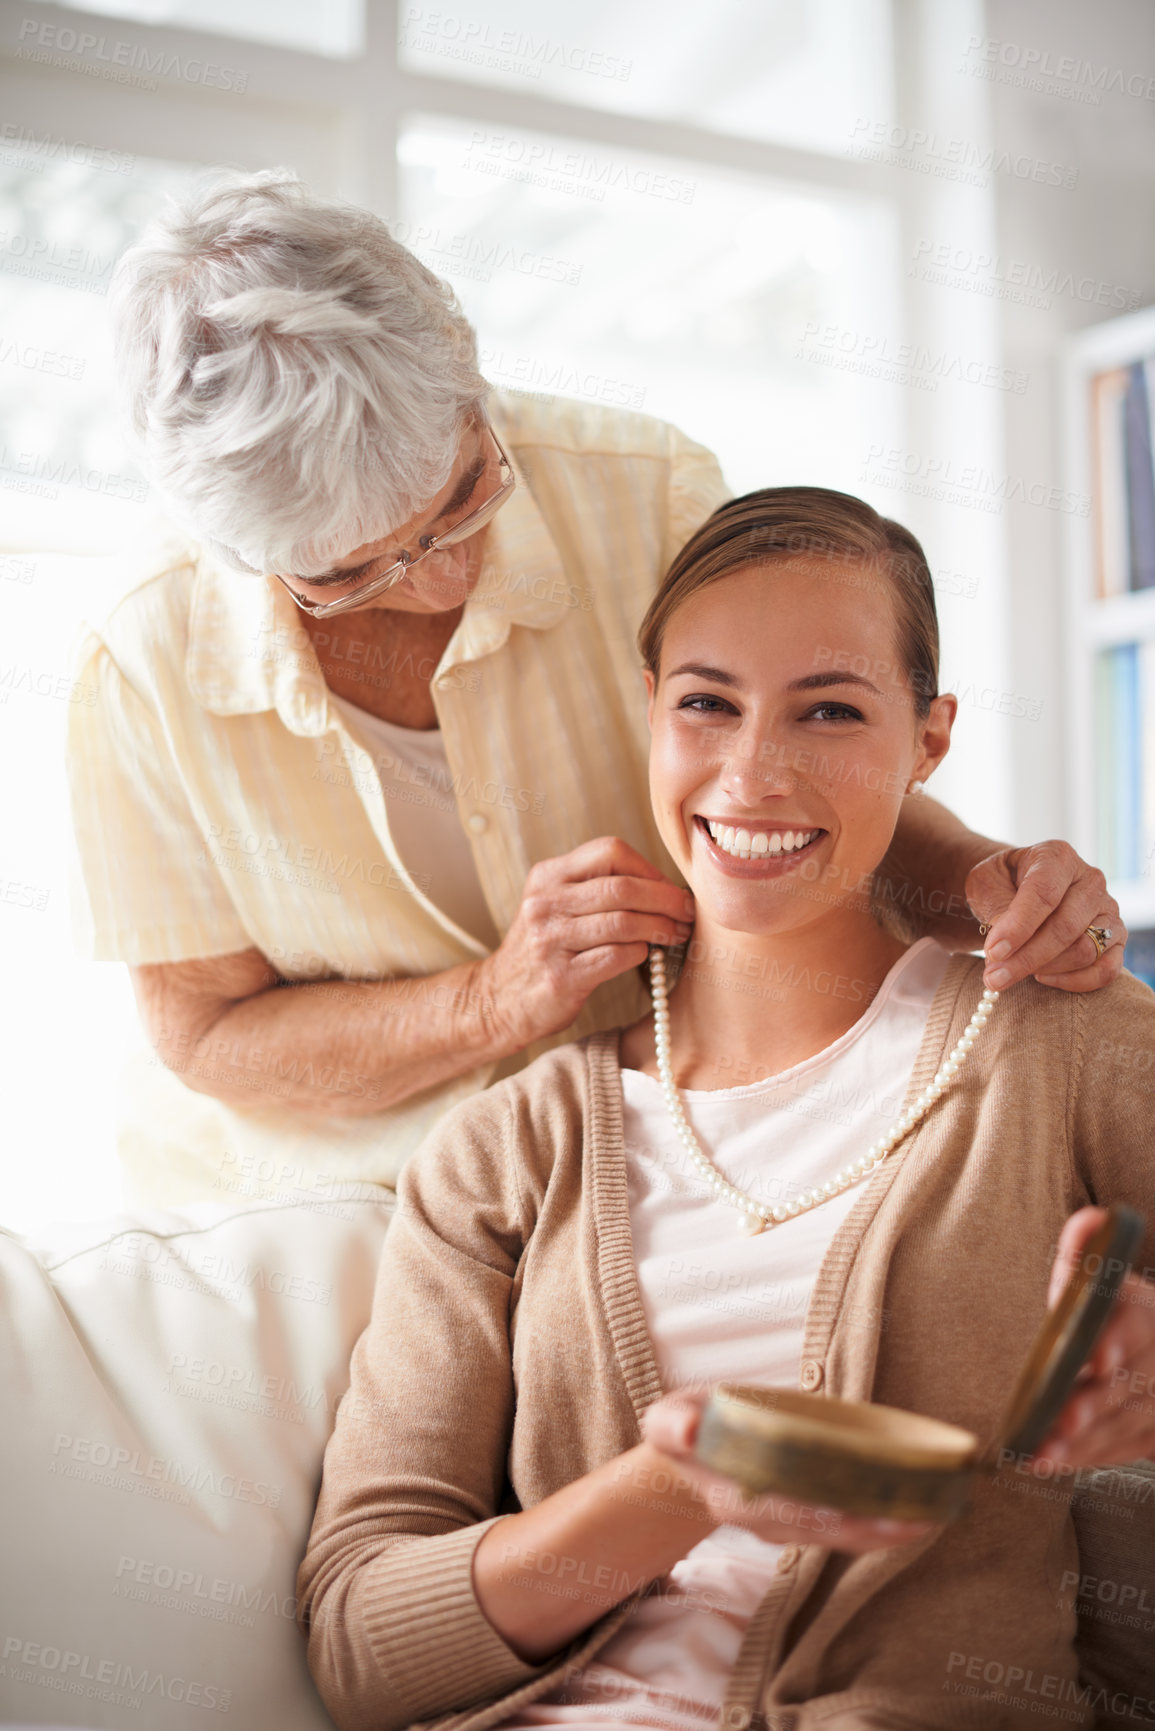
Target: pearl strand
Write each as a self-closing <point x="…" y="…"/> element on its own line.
<point x="755" y="1215"/>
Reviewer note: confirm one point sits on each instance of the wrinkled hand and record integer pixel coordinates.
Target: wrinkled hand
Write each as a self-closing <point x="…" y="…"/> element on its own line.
<point x="1110" y="1415"/>
<point x="1038" y="902"/>
<point x="671" y="1425"/>
<point x="584" y="917"/>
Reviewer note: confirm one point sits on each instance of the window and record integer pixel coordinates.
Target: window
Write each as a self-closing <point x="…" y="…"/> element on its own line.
<point x="656" y="284"/>
<point x="665" y="212"/>
<point x="798" y="72"/>
<point x="334" y="28"/>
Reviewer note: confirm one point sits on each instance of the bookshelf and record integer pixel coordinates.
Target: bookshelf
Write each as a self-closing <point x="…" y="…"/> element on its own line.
<point x="1109" y="417"/>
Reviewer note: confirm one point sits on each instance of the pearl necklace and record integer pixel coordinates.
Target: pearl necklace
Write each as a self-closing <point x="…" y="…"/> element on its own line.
<point x="756" y="1215"/>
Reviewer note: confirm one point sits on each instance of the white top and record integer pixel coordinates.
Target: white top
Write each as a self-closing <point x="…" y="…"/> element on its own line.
<point x="421" y="805"/>
<point x="724" y="1307"/>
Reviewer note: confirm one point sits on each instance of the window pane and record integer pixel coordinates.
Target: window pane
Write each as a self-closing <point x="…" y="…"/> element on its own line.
<point x="648" y="284"/>
<point x="66" y="480"/>
<point x="799" y="72"/>
<point x="335" y="28"/>
<point x="66" y="472"/>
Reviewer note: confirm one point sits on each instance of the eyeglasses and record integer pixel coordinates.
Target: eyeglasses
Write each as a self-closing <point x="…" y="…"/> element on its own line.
<point x="461" y="531"/>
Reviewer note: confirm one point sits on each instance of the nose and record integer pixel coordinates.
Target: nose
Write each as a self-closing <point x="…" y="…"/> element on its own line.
<point x="756" y="769"/>
<point x="444" y="566"/>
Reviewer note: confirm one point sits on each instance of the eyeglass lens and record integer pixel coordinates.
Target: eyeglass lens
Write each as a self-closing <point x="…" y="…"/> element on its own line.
<point x="472" y="519"/>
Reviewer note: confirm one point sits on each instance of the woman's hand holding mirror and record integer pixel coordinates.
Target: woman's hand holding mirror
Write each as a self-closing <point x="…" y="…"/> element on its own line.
<point x="670" y="1426"/>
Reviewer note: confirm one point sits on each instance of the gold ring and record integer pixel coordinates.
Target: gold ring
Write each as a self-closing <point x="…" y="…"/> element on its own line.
<point x="1100" y="936"/>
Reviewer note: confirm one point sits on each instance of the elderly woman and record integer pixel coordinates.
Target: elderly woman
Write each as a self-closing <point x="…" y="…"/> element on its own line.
<point x="357" y="723"/>
<point x="512" y="1530"/>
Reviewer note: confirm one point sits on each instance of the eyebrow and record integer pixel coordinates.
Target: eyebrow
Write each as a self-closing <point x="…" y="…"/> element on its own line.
<point x="339" y="576"/>
<point x="461" y="494"/>
<point x="809" y="681"/>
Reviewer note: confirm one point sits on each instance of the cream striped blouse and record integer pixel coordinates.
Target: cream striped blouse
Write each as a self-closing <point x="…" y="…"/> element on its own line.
<point x="220" y="803"/>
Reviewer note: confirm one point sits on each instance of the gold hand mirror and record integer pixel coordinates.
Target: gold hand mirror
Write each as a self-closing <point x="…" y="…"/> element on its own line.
<point x="884" y="1461"/>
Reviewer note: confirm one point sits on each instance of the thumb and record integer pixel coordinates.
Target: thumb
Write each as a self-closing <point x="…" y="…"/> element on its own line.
<point x="1077" y="1233"/>
<point x="990" y="886"/>
<point x="671" y="1424"/>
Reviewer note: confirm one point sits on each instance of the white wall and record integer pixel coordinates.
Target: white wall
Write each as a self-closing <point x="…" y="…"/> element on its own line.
<point x="1101" y="231"/>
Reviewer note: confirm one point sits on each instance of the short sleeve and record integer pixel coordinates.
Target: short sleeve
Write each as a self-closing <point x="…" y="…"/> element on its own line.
<point x="697" y="488"/>
<point x="144" y="888"/>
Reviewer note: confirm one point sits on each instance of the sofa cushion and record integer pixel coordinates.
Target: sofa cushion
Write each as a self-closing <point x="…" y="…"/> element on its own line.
<point x="170" y="1382"/>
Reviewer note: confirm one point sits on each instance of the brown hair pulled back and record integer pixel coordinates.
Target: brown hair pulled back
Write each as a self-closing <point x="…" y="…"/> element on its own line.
<point x="777" y="524"/>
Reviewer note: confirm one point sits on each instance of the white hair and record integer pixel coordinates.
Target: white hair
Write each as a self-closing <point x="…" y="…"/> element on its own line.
<point x="298" y="381"/>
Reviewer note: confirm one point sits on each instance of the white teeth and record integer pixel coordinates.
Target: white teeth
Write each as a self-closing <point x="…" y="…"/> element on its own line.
<point x="757" y="844"/>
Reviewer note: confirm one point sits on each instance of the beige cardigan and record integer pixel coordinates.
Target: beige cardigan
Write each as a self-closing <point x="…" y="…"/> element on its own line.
<point x="508" y="1353"/>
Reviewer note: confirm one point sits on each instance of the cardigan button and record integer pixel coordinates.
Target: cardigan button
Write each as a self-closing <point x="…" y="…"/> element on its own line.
<point x="787" y="1558"/>
<point x="478" y="822"/>
<point x="811" y="1374"/>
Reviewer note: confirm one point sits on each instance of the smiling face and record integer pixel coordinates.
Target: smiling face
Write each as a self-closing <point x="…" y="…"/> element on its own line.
<point x="784" y="739"/>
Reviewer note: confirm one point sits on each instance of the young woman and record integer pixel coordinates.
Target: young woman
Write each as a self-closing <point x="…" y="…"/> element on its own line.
<point x="791" y="1174"/>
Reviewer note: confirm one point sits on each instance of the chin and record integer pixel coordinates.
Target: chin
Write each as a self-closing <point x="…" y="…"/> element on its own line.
<point x="759" y="911"/>
<point x="741" y="914"/>
<point x="751" y="925"/>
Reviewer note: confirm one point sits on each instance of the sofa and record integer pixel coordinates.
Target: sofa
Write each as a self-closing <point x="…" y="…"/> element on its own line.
<point x="170" y="1381"/>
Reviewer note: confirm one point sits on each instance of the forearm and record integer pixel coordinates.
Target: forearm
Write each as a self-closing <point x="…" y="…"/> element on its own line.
<point x="340" y="1047"/>
<point x="923" y="876"/>
<point x="606" y="1535"/>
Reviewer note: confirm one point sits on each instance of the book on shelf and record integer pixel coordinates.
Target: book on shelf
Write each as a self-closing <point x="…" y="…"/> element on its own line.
<point x="1145" y="754"/>
<point x="1125" y="760"/>
<point x="1139" y="956"/>
<point x="1123" y="469"/>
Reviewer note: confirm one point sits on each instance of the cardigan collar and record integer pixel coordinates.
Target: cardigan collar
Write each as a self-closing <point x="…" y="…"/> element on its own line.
<point x="852" y="1373"/>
